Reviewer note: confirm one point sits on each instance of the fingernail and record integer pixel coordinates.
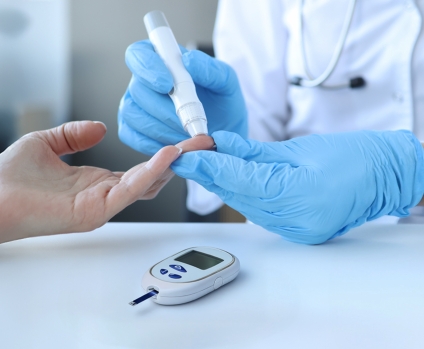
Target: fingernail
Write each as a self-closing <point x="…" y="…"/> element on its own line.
<point x="180" y="150"/>
<point x="99" y="122"/>
<point x="152" y="162"/>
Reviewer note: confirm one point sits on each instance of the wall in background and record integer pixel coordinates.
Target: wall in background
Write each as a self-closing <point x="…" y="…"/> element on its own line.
<point x="101" y="30"/>
<point x="34" y="66"/>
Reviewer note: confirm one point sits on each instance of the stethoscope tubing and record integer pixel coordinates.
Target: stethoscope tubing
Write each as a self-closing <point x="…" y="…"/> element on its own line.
<point x="314" y="82"/>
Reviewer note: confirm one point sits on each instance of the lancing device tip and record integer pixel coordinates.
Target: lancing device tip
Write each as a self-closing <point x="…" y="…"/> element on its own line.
<point x="143" y="298"/>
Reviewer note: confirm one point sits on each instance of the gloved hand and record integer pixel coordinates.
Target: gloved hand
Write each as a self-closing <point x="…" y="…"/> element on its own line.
<point x="311" y="189"/>
<point x="147" y="119"/>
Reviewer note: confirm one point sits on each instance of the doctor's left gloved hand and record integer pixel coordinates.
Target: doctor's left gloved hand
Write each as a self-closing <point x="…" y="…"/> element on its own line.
<point x="314" y="188"/>
<point x="147" y="119"/>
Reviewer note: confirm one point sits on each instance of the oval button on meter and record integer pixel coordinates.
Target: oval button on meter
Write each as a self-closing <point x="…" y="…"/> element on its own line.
<point x="218" y="283"/>
<point x="178" y="267"/>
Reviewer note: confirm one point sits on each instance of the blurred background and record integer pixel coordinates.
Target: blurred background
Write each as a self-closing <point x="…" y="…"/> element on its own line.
<point x="63" y="60"/>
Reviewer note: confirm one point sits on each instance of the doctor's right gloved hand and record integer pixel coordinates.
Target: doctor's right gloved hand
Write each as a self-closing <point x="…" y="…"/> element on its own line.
<point x="314" y="188"/>
<point x="147" y="119"/>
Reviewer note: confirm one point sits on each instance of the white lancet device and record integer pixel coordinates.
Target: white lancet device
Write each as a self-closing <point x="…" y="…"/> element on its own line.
<point x="188" y="275"/>
<point x="187" y="105"/>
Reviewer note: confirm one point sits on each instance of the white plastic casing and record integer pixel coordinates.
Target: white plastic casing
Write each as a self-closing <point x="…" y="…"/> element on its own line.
<point x="187" y="105"/>
<point x="194" y="283"/>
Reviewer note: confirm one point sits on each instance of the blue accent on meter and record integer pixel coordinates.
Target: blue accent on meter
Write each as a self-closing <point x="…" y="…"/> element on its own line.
<point x="178" y="267"/>
<point x="163" y="271"/>
<point x="174" y="276"/>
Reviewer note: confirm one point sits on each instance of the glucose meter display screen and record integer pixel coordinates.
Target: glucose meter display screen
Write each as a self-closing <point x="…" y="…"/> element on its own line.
<point x="199" y="259"/>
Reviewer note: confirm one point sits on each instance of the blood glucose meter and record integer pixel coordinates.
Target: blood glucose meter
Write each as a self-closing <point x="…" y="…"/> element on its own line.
<point x="188" y="275"/>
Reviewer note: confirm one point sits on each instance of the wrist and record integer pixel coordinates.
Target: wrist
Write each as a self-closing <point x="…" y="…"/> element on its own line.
<point x="6" y="218"/>
<point x="11" y="220"/>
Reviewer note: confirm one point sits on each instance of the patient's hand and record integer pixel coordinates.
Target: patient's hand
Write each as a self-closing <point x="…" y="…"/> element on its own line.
<point x="42" y="195"/>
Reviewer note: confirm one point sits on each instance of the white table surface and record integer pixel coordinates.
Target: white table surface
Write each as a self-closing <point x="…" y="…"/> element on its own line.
<point x="363" y="290"/>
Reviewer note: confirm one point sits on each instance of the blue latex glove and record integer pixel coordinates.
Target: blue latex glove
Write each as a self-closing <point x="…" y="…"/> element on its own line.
<point x="313" y="188"/>
<point x="147" y="119"/>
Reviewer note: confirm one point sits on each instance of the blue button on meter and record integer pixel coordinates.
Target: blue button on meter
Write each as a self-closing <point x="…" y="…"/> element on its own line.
<point x="163" y="271"/>
<point x="178" y="267"/>
<point x="174" y="276"/>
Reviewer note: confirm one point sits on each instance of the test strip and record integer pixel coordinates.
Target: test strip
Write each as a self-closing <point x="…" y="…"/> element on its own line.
<point x="143" y="298"/>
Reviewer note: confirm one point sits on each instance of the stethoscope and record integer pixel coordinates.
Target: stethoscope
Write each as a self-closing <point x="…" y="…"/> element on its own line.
<point x="312" y="81"/>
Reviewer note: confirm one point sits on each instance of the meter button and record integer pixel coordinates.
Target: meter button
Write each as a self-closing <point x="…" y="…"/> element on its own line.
<point x="174" y="276"/>
<point x="218" y="283"/>
<point x="163" y="271"/>
<point x="178" y="267"/>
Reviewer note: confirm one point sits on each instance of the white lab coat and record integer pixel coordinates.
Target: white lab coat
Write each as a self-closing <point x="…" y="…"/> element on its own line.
<point x="385" y="45"/>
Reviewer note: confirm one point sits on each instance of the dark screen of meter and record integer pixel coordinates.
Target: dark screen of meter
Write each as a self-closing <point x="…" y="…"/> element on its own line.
<point x="199" y="259"/>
